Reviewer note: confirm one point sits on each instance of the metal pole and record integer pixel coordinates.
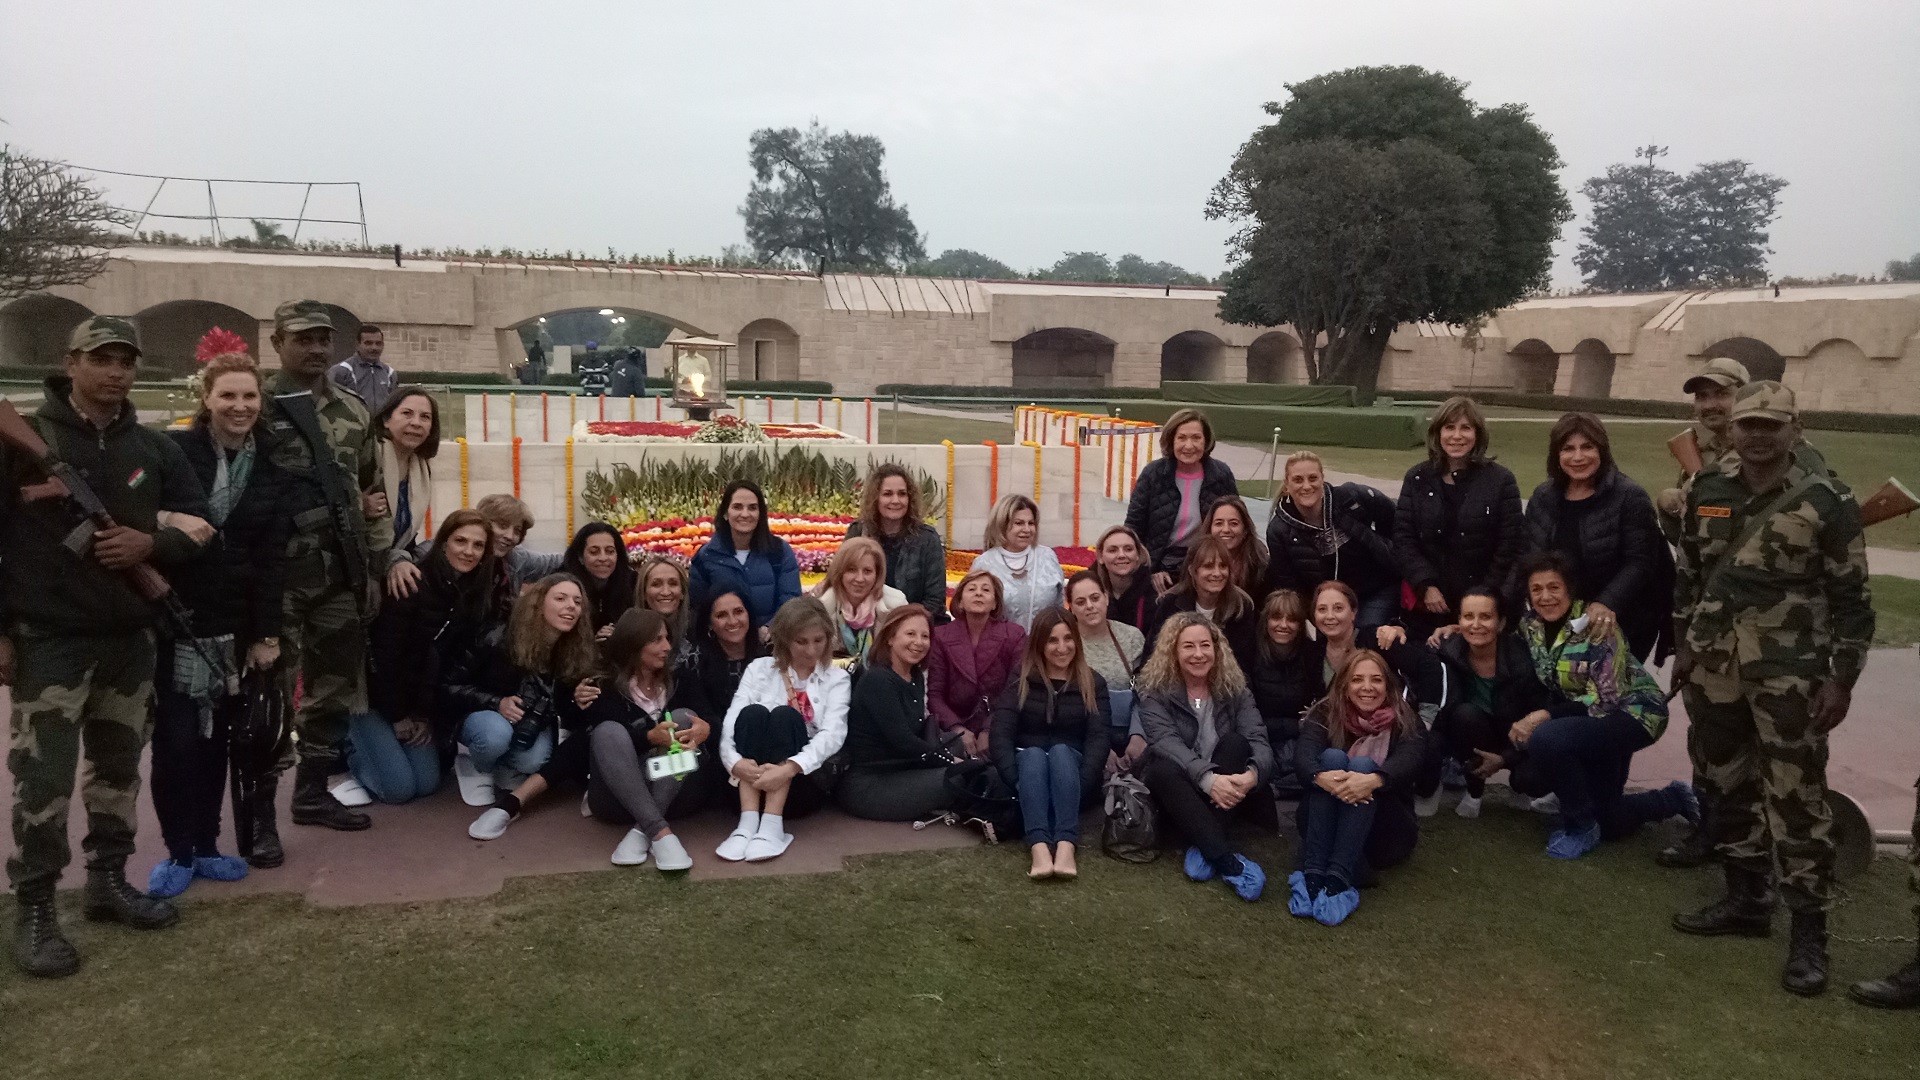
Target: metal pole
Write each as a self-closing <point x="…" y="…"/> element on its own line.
<point x="143" y="211"/>
<point x="304" y="199"/>
<point x="1273" y="463"/>
<point x="361" y="197"/>
<point x="896" y="414"/>
<point x="213" y="215"/>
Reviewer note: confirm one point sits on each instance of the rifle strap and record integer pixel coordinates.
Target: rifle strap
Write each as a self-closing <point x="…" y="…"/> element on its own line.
<point x="304" y="415"/>
<point x="1752" y="529"/>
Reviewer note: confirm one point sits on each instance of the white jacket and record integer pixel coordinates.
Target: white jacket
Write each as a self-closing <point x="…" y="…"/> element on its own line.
<point x="828" y="689"/>
<point x="1041" y="588"/>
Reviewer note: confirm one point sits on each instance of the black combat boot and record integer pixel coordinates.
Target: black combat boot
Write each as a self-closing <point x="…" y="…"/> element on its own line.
<point x="267" y="852"/>
<point x="1746" y="909"/>
<point x="1691" y="850"/>
<point x="110" y="899"/>
<point x="313" y="804"/>
<point x="38" y="946"/>
<point x="1900" y="990"/>
<point x="1806" y="971"/>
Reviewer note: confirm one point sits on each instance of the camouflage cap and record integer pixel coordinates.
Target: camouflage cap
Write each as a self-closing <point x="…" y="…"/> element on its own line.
<point x="297" y="315"/>
<point x="1721" y="371"/>
<point x="1765" y="401"/>
<point x="104" y="330"/>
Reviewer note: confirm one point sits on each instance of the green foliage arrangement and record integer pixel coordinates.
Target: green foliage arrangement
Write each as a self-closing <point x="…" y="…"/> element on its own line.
<point x="797" y="481"/>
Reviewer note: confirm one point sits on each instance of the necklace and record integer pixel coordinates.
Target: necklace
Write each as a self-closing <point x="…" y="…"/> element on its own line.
<point x="1019" y="571"/>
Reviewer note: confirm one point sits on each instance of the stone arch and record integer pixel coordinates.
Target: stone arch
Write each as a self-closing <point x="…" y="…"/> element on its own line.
<point x="769" y="349"/>
<point x="1063" y="356"/>
<point x="1838" y="375"/>
<point x="1535" y="366"/>
<point x="34" y="330"/>
<point x="346" y="331"/>
<point x="170" y="332"/>
<point x="1593" y="366"/>
<point x="1192" y="355"/>
<point x="1275" y="357"/>
<point x="606" y="327"/>
<point x="1762" y="360"/>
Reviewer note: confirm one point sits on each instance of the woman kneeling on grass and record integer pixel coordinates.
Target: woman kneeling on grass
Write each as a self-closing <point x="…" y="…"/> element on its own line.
<point x="1359" y="751"/>
<point x="788" y="717"/>
<point x="1207" y="751"/>
<point x="1050" y="734"/>
<point x="626" y="723"/>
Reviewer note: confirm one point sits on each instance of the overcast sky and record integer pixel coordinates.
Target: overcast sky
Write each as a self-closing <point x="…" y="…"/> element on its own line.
<point x="1021" y="130"/>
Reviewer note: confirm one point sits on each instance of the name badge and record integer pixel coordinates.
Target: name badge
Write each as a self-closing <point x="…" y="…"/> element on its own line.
<point x="1716" y="512"/>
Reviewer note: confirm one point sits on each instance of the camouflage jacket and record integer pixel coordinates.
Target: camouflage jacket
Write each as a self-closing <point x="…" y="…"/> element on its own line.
<point x="1793" y="599"/>
<point x="349" y="429"/>
<point x="1717" y="451"/>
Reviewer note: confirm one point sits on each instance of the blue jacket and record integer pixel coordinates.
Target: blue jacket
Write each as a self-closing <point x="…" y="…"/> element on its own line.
<point x="766" y="581"/>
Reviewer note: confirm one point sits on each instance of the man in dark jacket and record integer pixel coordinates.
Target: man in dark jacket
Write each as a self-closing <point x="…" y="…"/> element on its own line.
<point x="1317" y="533"/>
<point x="79" y="644"/>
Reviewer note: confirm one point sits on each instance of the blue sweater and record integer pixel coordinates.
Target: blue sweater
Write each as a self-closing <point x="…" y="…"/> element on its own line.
<point x="767" y="581"/>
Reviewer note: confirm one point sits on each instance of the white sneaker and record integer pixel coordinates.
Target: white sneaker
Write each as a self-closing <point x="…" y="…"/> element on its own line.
<point x="1427" y="805"/>
<point x="1467" y="807"/>
<point x="1546" y="804"/>
<point x="475" y="789"/>
<point x="348" y="792"/>
<point x="632" y="850"/>
<point x="767" y="845"/>
<point x="491" y="825"/>
<point x="734" y="847"/>
<point x="670" y="854"/>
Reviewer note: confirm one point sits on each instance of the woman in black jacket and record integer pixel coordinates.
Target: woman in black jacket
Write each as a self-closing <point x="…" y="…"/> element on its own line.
<point x="395" y="749"/>
<point x="1589" y="511"/>
<point x="1458" y="523"/>
<point x="1120" y="561"/>
<point x="1285" y="677"/>
<point x="1495" y="687"/>
<point x="597" y="558"/>
<point x="1049" y="743"/>
<point x="1171" y="495"/>
<point x="892" y="512"/>
<point x="706" y="674"/>
<point x="234" y="590"/>
<point x="894" y="773"/>
<point x="1206" y="586"/>
<point x="1343" y="534"/>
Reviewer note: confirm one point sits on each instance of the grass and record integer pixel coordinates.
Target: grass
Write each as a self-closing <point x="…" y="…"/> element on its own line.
<point x="1896" y="609"/>
<point x="1480" y="958"/>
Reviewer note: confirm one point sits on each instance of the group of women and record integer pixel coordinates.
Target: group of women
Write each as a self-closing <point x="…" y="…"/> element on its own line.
<point x="1351" y="660"/>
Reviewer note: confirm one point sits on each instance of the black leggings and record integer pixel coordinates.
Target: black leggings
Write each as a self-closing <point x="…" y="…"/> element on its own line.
<point x="189" y="773"/>
<point x="1459" y="731"/>
<point x="770" y="736"/>
<point x="1204" y="824"/>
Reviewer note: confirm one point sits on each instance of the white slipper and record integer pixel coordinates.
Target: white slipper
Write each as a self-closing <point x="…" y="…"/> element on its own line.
<point x="491" y="825"/>
<point x="348" y="792"/>
<point x="1427" y="805"/>
<point x="1467" y="807"/>
<point x="1546" y="804"/>
<point x="734" y="847"/>
<point x="670" y="854"/>
<point x="766" y="845"/>
<point x="632" y="850"/>
<point x="475" y="789"/>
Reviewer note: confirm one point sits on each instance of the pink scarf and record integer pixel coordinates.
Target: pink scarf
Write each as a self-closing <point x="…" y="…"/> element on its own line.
<point x="1370" y="735"/>
<point x="861" y="617"/>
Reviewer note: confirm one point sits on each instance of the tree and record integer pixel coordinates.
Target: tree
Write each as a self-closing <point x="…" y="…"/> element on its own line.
<point x="266" y="234"/>
<point x="55" y="228"/>
<point x="1904" y="269"/>
<point x="1079" y="266"/>
<point x="1379" y="196"/>
<point x="1653" y="229"/>
<point x="1134" y="270"/>
<point x="961" y="263"/>
<point x="824" y="198"/>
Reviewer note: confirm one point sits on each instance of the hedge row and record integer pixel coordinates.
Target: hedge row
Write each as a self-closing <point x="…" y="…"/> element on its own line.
<point x="1385" y="429"/>
<point x="1029" y="393"/>
<point x="1819" y="419"/>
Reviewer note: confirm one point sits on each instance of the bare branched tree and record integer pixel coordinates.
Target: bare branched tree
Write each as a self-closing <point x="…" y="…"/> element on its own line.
<point x="55" y="228"/>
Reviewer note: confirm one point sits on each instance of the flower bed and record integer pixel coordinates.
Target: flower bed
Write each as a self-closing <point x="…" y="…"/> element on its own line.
<point x="814" y="539"/>
<point x="717" y="430"/>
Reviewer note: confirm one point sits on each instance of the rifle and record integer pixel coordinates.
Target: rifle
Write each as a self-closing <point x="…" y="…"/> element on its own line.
<point x="341" y="496"/>
<point x="1685" y="448"/>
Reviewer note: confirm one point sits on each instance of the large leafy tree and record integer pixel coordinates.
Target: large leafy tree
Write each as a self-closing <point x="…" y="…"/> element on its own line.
<point x="961" y="263"/>
<point x="1904" y="269"/>
<point x="1380" y="196"/>
<point x="1653" y="229"/>
<point x="55" y="228"/>
<point x="824" y="197"/>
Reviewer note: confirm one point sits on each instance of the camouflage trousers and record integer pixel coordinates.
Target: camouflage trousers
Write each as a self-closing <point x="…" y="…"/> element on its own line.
<point x="324" y="644"/>
<point x="1754" y="741"/>
<point x="1695" y="701"/>
<point x="69" y="692"/>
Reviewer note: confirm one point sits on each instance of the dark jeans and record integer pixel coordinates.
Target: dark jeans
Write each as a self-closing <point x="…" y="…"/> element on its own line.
<point x="189" y="773"/>
<point x="1049" y="790"/>
<point x="1392" y="831"/>
<point x="771" y="736"/>
<point x="1203" y="824"/>
<point x="1584" y="760"/>
<point x="1458" y="732"/>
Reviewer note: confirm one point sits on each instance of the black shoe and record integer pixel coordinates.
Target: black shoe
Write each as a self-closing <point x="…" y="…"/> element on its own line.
<point x="110" y="899"/>
<point x="1806" y="971"/>
<point x="1746" y="909"/>
<point x="313" y="804"/>
<point x="1900" y="990"/>
<point x="1691" y="850"/>
<point x="38" y="946"/>
<point x="267" y="852"/>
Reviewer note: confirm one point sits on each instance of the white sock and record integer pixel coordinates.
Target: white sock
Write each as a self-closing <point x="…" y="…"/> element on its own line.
<point x="749" y="822"/>
<point x="773" y="825"/>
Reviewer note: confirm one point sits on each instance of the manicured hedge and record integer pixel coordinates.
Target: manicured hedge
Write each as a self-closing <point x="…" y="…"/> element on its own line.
<point x="1232" y="393"/>
<point x="1823" y="420"/>
<point x="750" y="388"/>
<point x="1386" y="429"/>
<point x="1028" y="393"/>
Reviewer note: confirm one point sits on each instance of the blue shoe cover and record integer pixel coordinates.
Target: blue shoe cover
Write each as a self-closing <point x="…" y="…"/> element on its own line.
<point x="1198" y="868"/>
<point x="1249" y="882"/>
<point x="169" y="879"/>
<point x="1298" y="902"/>
<point x="217" y="867"/>
<point x="1571" y="845"/>
<point x="1332" y="909"/>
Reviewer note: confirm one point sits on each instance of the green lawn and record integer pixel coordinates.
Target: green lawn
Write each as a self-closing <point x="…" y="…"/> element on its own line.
<point x="1896" y="609"/>
<point x="1480" y="959"/>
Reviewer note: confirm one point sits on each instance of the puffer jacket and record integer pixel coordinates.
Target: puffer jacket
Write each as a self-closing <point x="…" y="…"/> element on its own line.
<point x="1046" y="720"/>
<point x="766" y="581"/>
<point x="1480" y="547"/>
<point x="1154" y="507"/>
<point x="237" y="582"/>
<point x="1285" y="689"/>
<point x="1621" y="560"/>
<point x="1361" y="514"/>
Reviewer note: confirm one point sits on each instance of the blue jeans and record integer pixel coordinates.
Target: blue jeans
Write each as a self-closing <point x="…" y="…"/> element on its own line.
<point x="487" y="735"/>
<point x="1333" y="844"/>
<point x="1049" y="793"/>
<point x="1585" y="760"/>
<point x="390" y="772"/>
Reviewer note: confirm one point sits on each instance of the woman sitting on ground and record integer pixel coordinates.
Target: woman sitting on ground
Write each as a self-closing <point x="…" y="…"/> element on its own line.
<point x="1613" y="709"/>
<point x="1495" y="689"/>
<point x="746" y="557"/>
<point x="1120" y="561"/>
<point x="1286" y="675"/>
<point x="1230" y="522"/>
<point x="855" y="592"/>
<point x="1050" y="741"/>
<point x="662" y="589"/>
<point x="1342" y="534"/>
<point x="1206" y="587"/>
<point x="1358" y="754"/>
<point x="516" y="688"/>
<point x="893" y="772"/>
<point x="1030" y="577"/>
<point x="1207" y="752"/>
<point x="973" y="657"/>
<point x="1171" y="495"/>
<point x="787" y="719"/>
<point x="892" y="512"/>
<point x="1113" y="651"/>
<point x="407" y="430"/>
<point x="597" y="558"/>
<point x="1458" y="523"/>
<point x="395" y="749"/>
<point x="1334" y="613"/>
<point x="628" y="720"/>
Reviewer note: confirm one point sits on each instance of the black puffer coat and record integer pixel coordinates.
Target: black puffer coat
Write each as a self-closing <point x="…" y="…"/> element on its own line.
<point x="1363" y="515"/>
<point x="1284" y="689"/>
<point x="1487" y="536"/>
<point x="1154" y="507"/>
<point x="1621" y="559"/>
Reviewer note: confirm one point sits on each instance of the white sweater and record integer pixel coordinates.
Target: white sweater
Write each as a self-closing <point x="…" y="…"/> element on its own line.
<point x="1043" y="586"/>
<point x="828" y="689"/>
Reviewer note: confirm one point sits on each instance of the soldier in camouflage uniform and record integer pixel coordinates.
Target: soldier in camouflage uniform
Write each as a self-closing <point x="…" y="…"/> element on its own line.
<point x="1774" y="621"/>
<point x="332" y="563"/>
<point x="79" y="644"/>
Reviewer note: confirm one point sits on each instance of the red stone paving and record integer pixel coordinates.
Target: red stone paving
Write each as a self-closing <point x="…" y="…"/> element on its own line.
<point x="421" y="851"/>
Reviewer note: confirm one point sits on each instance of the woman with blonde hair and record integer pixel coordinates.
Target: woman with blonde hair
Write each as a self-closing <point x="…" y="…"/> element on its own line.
<point x="1207" y="751"/>
<point x="856" y="594"/>
<point x="661" y="587"/>
<point x="1030" y="577"/>
<point x="1120" y="559"/>
<point x="1341" y="533"/>
<point x="893" y="513"/>
<point x="1050" y="735"/>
